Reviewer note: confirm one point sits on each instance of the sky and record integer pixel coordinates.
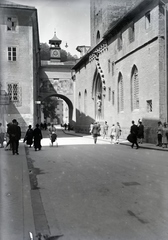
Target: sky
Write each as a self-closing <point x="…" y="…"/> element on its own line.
<point x="69" y="18"/>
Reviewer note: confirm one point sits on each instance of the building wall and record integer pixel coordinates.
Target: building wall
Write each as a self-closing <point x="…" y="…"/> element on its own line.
<point x="104" y="13"/>
<point x="56" y="80"/>
<point x="24" y="70"/>
<point x="147" y="53"/>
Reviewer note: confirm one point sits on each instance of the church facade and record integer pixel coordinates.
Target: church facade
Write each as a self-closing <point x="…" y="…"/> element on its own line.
<point x="19" y="64"/>
<point x="124" y="75"/>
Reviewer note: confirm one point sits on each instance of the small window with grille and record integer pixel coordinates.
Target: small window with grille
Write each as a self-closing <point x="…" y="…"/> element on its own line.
<point x="113" y="68"/>
<point x="119" y="42"/>
<point x="149" y="105"/>
<point x="147" y="20"/>
<point x="131" y="33"/>
<point x="11" y="53"/>
<point x="13" y="92"/>
<point x="11" y="23"/>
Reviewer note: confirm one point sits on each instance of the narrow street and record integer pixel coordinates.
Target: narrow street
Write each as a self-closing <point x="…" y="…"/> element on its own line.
<point x="83" y="191"/>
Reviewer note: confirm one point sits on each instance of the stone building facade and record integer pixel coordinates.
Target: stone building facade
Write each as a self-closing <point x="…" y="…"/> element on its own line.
<point x="19" y="64"/>
<point x="124" y="75"/>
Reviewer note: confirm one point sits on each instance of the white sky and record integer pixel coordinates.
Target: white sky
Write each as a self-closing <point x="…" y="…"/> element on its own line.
<point x="70" y="19"/>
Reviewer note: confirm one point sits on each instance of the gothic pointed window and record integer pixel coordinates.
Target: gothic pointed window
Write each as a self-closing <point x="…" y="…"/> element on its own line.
<point x="134" y="89"/>
<point x="120" y="93"/>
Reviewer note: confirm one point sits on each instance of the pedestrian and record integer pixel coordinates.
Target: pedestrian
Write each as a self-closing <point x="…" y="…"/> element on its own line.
<point x="14" y="132"/>
<point x="91" y="127"/>
<point x="117" y="132"/>
<point x="2" y="135"/>
<point x="165" y="135"/>
<point x="95" y="131"/>
<point x="52" y="133"/>
<point x="45" y="126"/>
<point x="134" y="133"/>
<point x="8" y="141"/>
<point x="65" y="126"/>
<point x="29" y="136"/>
<point x="37" y="134"/>
<point x="140" y="131"/>
<point x="112" y="134"/>
<point x="159" y="134"/>
<point x="69" y="127"/>
<point x="105" y="130"/>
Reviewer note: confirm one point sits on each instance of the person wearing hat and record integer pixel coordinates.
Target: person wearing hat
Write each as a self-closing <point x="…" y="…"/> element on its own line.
<point x="37" y="134"/>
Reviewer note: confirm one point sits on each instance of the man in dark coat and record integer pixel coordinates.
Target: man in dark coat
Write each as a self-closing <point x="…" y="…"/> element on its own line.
<point x="134" y="133"/>
<point x="37" y="137"/>
<point x="14" y="132"/>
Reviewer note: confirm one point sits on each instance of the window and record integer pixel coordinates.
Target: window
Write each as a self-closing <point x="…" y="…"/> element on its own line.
<point x="11" y="23"/>
<point x="135" y="89"/>
<point x="98" y="37"/>
<point x="149" y="105"/>
<point x="79" y="102"/>
<point x="109" y="65"/>
<point x="119" y="42"/>
<point x="12" y="53"/>
<point x="113" y="66"/>
<point x="85" y="102"/>
<point x="120" y="93"/>
<point x="109" y="93"/>
<point x="13" y="92"/>
<point x="147" y="20"/>
<point x="113" y="98"/>
<point x="131" y="33"/>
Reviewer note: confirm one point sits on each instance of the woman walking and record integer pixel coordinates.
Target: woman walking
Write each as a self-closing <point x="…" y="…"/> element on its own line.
<point x="112" y="134"/>
<point x="29" y="136"/>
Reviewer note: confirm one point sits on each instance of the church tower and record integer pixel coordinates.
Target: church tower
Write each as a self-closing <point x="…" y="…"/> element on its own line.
<point x="55" y="49"/>
<point x="103" y="13"/>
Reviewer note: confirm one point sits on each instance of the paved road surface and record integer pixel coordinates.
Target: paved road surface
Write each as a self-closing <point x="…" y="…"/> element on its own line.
<point x="84" y="191"/>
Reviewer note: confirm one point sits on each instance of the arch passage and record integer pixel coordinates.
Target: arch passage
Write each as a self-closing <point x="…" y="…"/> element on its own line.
<point x="67" y="100"/>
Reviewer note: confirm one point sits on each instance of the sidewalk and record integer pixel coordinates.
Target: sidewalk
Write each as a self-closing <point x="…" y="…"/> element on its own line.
<point x="122" y="141"/>
<point x="16" y="217"/>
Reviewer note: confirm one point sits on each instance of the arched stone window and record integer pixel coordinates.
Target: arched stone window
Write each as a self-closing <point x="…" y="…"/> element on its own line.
<point x="134" y="89"/>
<point x="85" y="102"/>
<point x="98" y="37"/>
<point x="120" y="93"/>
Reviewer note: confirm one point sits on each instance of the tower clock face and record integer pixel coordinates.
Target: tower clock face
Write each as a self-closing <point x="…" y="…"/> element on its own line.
<point x="55" y="53"/>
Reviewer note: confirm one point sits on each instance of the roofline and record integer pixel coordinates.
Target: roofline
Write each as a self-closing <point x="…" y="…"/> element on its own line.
<point x="13" y="5"/>
<point x="129" y="15"/>
<point x="113" y="28"/>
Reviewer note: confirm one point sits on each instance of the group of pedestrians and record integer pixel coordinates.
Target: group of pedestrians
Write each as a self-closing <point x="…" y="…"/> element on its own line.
<point x="33" y="136"/>
<point x="136" y="132"/>
<point x="115" y="131"/>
